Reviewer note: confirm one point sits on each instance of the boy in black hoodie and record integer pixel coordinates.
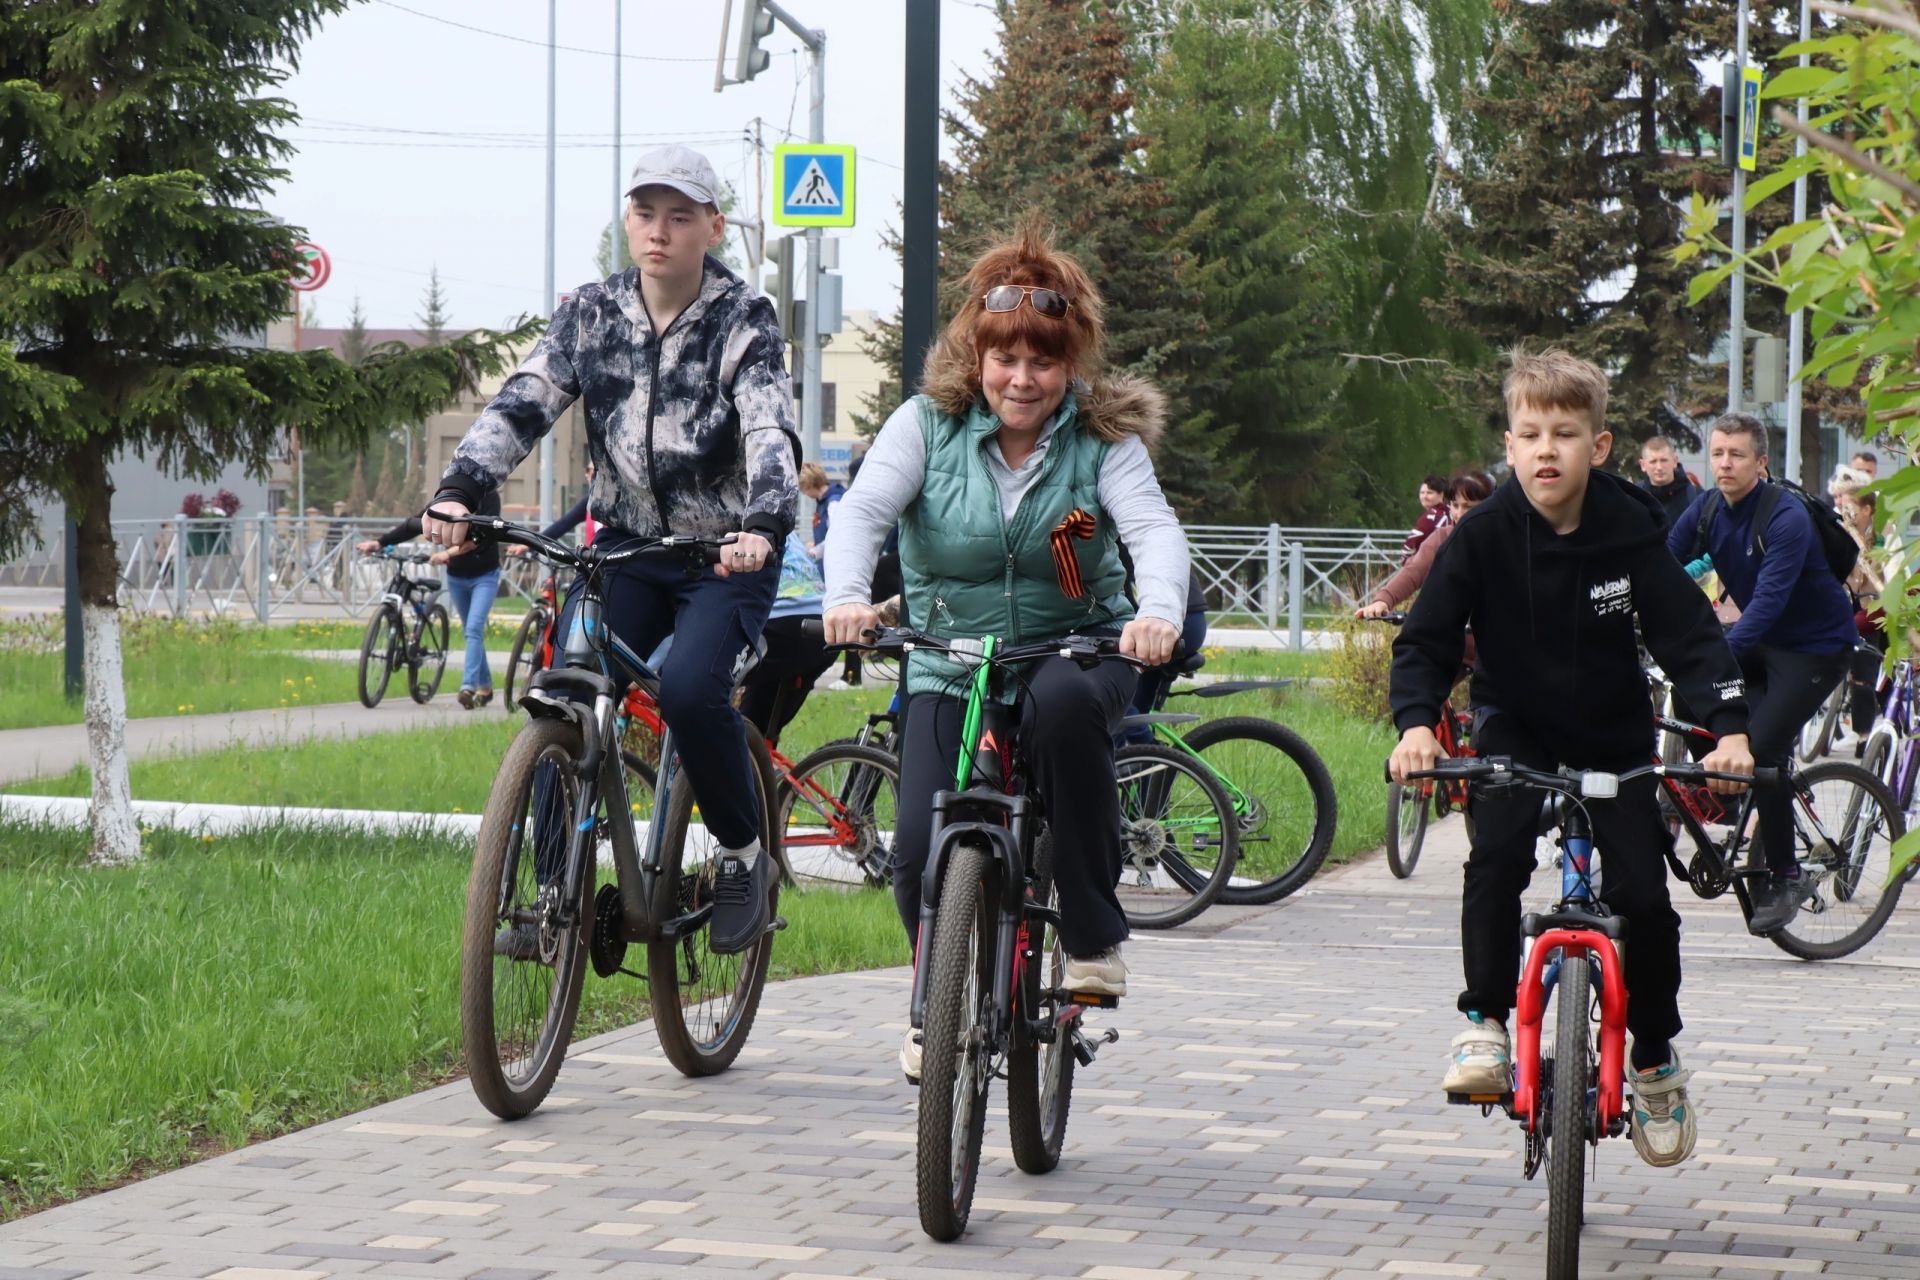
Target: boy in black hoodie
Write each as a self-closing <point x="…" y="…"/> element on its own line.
<point x="1551" y="573"/>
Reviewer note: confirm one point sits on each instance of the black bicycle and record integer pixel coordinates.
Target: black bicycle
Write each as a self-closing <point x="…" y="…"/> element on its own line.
<point x="533" y="916"/>
<point x="989" y="968"/>
<point x="409" y="629"/>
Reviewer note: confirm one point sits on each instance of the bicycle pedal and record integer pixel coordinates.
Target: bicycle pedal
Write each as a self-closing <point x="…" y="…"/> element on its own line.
<point x="1083" y="1048"/>
<point x="1481" y="1099"/>
<point x="774" y="926"/>
<point x="1093" y="999"/>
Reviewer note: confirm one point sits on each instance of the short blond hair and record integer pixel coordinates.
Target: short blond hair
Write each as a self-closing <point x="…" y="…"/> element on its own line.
<point x="812" y="475"/>
<point x="1555" y="379"/>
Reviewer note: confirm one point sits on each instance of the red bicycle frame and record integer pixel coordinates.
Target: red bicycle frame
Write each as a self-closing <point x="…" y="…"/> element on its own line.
<point x="1530" y="1010"/>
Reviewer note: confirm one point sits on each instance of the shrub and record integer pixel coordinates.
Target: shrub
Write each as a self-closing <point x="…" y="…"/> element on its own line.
<point x="1359" y="666"/>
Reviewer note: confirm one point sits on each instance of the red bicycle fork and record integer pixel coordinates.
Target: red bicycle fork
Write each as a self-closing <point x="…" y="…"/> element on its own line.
<point x="1531" y="1010"/>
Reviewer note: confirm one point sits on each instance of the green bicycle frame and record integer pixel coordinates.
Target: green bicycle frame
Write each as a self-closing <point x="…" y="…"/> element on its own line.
<point x="970" y="730"/>
<point x="1242" y="803"/>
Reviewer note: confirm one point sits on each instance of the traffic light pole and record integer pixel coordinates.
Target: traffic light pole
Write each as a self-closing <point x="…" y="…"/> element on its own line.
<point x="1737" y="312"/>
<point x="810" y="425"/>
<point x="1797" y="322"/>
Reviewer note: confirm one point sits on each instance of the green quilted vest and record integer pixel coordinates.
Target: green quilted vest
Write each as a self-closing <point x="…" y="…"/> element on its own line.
<point x="968" y="573"/>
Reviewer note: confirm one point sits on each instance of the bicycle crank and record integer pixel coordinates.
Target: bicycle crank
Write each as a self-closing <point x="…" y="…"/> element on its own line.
<point x="1084" y="1048"/>
<point x="1708" y="876"/>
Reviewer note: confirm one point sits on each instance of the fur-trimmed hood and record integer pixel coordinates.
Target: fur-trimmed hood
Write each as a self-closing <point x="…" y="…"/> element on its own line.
<point x="1112" y="406"/>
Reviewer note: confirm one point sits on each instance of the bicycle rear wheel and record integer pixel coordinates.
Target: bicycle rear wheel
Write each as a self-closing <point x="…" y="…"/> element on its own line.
<point x="1406" y="828"/>
<point x="956" y="1059"/>
<point x="429" y="654"/>
<point x="377" y="653"/>
<point x="1283" y="797"/>
<point x="704" y="1003"/>
<point x="1573" y="1075"/>
<point x="1040" y="1071"/>
<point x="1844" y="826"/>
<point x="523" y="952"/>
<point x="1179" y="836"/>
<point x="525" y="658"/>
<point x="836" y="816"/>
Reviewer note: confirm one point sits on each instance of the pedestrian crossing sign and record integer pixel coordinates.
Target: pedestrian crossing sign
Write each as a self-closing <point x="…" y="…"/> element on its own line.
<point x="813" y="185"/>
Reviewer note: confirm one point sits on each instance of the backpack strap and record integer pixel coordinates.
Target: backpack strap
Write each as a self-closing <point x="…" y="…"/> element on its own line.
<point x="1704" y="528"/>
<point x="1769" y="499"/>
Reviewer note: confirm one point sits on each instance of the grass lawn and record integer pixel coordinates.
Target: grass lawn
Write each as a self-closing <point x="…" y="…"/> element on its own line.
<point x="223" y="991"/>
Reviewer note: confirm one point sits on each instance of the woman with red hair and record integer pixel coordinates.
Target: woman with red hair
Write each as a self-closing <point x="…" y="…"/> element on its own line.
<point x="1019" y="433"/>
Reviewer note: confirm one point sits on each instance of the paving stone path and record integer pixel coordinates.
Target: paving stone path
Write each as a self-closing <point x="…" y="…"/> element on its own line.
<point x="1269" y="1112"/>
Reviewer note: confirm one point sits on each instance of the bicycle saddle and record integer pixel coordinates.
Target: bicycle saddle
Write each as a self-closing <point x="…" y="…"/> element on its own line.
<point x="1162" y="717"/>
<point x="426" y="584"/>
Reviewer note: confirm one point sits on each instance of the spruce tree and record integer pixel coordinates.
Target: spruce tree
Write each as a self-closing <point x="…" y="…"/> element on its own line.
<point x="139" y="142"/>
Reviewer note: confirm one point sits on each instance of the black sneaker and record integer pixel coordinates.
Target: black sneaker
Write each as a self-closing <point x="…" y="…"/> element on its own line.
<point x="1775" y="903"/>
<point x="739" y="904"/>
<point x="518" y="942"/>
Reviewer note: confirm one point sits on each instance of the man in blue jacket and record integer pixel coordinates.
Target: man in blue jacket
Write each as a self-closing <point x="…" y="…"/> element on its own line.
<point x="1795" y="636"/>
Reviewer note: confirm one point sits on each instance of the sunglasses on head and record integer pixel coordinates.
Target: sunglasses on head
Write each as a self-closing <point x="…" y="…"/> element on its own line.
<point x="1007" y="297"/>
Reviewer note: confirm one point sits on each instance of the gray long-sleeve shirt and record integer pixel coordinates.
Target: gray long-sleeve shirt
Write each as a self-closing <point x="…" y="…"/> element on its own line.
<point x="896" y="467"/>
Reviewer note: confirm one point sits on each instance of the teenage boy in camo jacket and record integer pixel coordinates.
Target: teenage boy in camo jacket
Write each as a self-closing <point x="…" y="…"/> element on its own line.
<point x="689" y="416"/>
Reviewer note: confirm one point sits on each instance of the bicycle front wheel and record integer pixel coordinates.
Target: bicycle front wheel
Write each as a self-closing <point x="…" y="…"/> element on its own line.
<point x="1282" y="797"/>
<point x="1406" y="828"/>
<point x="377" y="653"/>
<point x="703" y="1002"/>
<point x="523" y="953"/>
<point x="1040" y="1057"/>
<point x="524" y="660"/>
<point x="836" y="816"/>
<point x="430" y="656"/>
<point x="1844" y="826"/>
<point x="1573" y="1075"/>
<point x="1179" y="836"/>
<point x="956" y="1059"/>
<point x="1816" y="735"/>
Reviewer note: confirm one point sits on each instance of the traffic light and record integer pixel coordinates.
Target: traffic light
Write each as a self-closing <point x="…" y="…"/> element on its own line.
<point x="780" y="257"/>
<point x="756" y="24"/>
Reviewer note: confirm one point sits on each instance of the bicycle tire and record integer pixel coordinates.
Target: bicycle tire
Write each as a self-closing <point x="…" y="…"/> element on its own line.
<point x="955" y="1060"/>
<point x="836" y="813"/>
<point x="1406" y="829"/>
<point x="1573" y="1073"/>
<point x="1040" y="1073"/>
<point x="526" y="650"/>
<point x="1174" y="816"/>
<point x="1863" y="856"/>
<point x="1284" y="797"/>
<point x="703" y="1003"/>
<point x="384" y="630"/>
<point x="1816" y="735"/>
<point x="501" y="992"/>
<point x="430" y="649"/>
<point x="1875" y="760"/>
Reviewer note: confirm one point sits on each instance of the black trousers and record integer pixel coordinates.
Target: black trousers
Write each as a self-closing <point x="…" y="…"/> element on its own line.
<point x="1784" y="689"/>
<point x="1067" y="720"/>
<point x="1631" y="840"/>
<point x="776" y="689"/>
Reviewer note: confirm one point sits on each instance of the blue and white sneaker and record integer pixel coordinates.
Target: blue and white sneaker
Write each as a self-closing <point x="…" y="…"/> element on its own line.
<point x="1664" y="1128"/>
<point x="1482" y="1062"/>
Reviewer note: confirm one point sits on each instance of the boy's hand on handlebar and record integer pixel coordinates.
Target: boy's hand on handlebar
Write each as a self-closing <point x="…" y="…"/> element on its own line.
<point x="368" y="547"/>
<point x="747" y="553"/>
<point x="849" y="623"/>
<point x="1373" y="609"/>
<point x="1729" y="755"/>
<point x="1418" y="750"/>
<point x="448" y="533"/>
<point x="1149" y="639"/>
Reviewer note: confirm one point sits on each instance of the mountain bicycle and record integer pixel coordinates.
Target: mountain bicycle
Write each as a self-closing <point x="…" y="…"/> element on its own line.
<point x="1567" y="1099"/>
<point x="989" y="966"/>
<point x="533" y="916"/>
<point x="392" y="642"/>
<point x="1845" y="826"/>
<point x="1284" y="806"/>
<point x="533" y="643"/>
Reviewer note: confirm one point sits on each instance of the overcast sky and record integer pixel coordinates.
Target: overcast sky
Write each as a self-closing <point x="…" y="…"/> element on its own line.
<point x="424" y="143"/>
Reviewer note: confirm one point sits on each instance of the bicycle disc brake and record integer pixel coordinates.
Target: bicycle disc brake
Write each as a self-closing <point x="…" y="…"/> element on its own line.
<point x="1708" y="876"/>
<point x="609" y="946"/>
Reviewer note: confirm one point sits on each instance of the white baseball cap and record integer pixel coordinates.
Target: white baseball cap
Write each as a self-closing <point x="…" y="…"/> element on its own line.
<point x="683" y="169"/>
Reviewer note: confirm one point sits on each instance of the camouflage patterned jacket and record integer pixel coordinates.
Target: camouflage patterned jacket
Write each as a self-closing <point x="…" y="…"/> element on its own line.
<point x="691" y="431"/>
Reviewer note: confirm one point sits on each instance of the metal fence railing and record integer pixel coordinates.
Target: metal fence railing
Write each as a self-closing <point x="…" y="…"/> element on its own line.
<point x="1264" y="575"/>
<point x="259" y="566"/>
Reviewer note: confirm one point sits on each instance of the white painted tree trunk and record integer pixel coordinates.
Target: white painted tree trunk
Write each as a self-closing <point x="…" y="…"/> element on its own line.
<point x="116" y="837"/>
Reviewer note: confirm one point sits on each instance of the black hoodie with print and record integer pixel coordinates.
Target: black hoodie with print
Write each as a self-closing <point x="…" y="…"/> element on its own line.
<point x="1553" y="619"/>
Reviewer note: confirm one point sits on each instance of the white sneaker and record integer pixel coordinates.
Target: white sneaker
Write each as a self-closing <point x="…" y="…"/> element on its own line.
<point x="910" y="1056"/>
<point x="1103" y="973"/>
<point x="1482" y="1062"/>
<point x="1664" y="1128"/>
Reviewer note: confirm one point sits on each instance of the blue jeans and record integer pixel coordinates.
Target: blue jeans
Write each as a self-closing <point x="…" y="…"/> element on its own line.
<point x="472" y="602"/>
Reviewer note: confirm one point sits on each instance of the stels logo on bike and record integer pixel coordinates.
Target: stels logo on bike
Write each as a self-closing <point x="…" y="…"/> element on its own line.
<point x="1612" y="597"/>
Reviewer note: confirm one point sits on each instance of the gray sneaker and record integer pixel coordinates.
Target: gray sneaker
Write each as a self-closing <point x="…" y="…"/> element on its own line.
<point x="1481" y="1063"/>
<point x="1664" y="1128"/>
<point x="518" y="942"/>
<point x="1103" y="973"/>
<point x="910" y="1051"/>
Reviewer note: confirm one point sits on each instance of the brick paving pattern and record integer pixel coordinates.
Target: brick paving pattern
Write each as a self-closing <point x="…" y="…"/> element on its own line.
<point x="1270" y="1111"/>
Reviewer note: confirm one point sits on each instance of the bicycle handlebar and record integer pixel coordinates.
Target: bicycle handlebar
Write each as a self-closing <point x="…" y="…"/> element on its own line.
<point x="408" y="557"/>
<point x="494" y="529"/>
<point x="897" y="642"/>
<point x="1595" y="783"/>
